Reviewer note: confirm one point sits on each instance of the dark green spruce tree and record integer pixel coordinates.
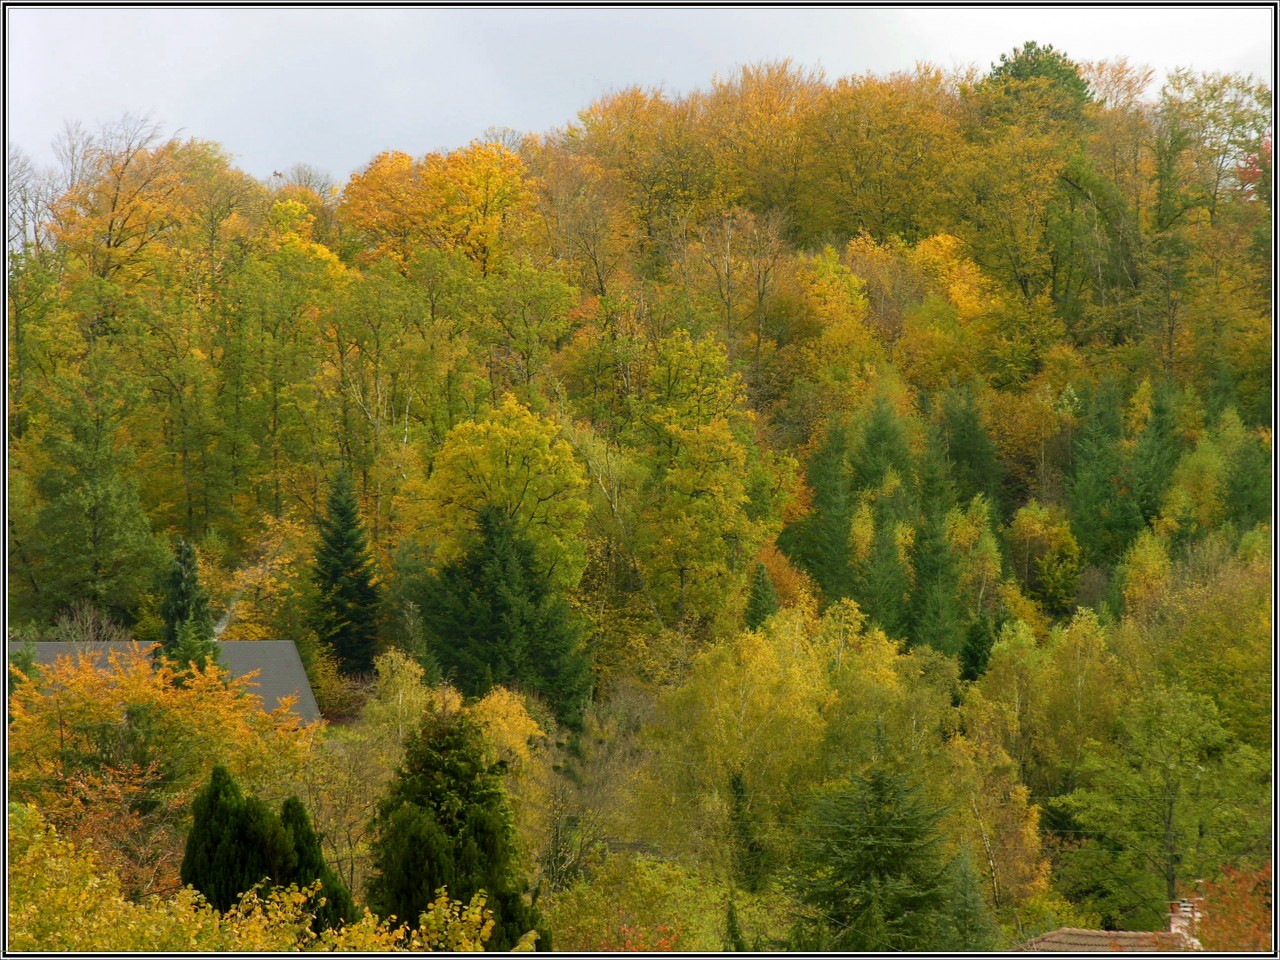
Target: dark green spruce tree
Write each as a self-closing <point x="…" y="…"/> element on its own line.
<point x="344" y="573"/>
<point x="187" y="637"/>
<point x="819" y="541"/>
<point x="235" y="842"/>
<point x="762" y="601"/>
<point x="495" y="620"/>
<point x="976" y="652"/>
<point x="937" y="617"/>
<point x="1156" y="452"/>
<point x="91" y="540"/>
<point x="310" y="866"/>
<point x="445" y="822"/>
<point x="974" y="459"/>
<point x="750" y="856"/>
<point x="871" y="867"/>
<point x="1102" y="504"/>
<point x="881" y="582"/>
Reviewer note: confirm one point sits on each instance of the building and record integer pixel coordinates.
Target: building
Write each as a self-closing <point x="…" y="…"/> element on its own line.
<point x="1180" y="937"/>
<point x="276" y="662"/>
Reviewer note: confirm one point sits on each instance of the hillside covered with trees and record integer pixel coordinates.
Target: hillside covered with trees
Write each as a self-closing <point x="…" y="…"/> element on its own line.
<point x="805" y="513"/>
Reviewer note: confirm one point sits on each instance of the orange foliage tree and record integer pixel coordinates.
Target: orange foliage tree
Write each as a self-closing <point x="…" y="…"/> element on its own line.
<point x="112" y="753"/>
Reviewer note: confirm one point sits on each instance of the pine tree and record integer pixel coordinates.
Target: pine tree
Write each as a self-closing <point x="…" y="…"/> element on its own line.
<point x="412" y="639"/>
<point x="92" y="539"/>
<point x="883" y="448"/>
<point x="187" y="636"/>
<point x="192" y="648"/>
<point x="762" y="601"/>
<point x="974" y="459"/>
<point x="1155" y="454"/>
<point x="734" y="941"/>
<point x="495" y="620"/>
<point x="344" y="573"/>
<point x="976" y="651"/>
<point x="967" y="924"/>
<point x="883" y="475"/>
<point x="936" y="615"/>
<point x="185" y="599"/>
<point x="445" y="822"/>
<point x="871" y="865"/>
<point x="819" y="542"/>
<point x="749" y="852"/>
<point x="1105" y="514"/>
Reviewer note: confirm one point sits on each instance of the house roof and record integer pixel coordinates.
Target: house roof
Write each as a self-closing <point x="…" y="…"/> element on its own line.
<point x="1072" y="940"/>
<point x="279" y="668"/>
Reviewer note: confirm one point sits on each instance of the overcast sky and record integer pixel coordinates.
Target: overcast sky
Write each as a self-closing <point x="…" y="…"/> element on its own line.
<point x="333" y="87"/>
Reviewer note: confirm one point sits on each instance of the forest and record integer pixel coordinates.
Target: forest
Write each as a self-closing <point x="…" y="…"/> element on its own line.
<point x="804" y="513"/>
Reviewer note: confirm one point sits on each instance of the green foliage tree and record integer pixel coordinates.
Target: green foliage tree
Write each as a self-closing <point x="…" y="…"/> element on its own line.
<point x="344" y="574"/>
<point x="445" y="822"/>
<point x="495" y="620"/>
<point x="1172" y="799"/>
<point x="1045" y="555"/>
<point x="1043" y="79"/>
<point x="92" y="539"/>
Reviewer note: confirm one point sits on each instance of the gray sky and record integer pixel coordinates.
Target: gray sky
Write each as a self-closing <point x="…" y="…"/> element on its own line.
<point x="334" y="87"/>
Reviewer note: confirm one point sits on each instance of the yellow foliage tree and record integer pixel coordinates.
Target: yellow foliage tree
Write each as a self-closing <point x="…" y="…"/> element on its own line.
<point x="61" y="900"/>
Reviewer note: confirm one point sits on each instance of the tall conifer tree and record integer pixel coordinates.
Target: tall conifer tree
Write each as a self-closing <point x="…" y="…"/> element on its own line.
<point x="445" y="822"/>
<point x="762" y="602"/>
<point x="188" y="626"/>
<point x="872" y="865"/>
<point x="344" y="573"/>
<point x="495" y="620"/>
<point x="235" y="842"/>
<point x="310" y="866"/>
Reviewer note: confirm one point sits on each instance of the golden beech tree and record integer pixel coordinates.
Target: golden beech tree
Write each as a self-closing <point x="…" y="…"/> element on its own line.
<point x="583" y="210"/>
<point x="474" y="200"/>
<point x="650" y="143"/>
<point x="997" y="820"/>
<point x="885" y="145"/>
<point x="481" y="201"/>
<point x="757" y="120"/>
<point x="516" y="461"/>
<point x="384" y="204"/>
<point x="753" y="705"/>
<point x="112" y="218"/>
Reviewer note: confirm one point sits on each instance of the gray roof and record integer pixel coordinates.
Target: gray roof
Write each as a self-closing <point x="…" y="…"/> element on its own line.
<point x="280" y="672"/>
<point x="1073" y="940"/>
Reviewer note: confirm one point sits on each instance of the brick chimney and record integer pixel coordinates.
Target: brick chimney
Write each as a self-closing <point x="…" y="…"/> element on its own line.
<point x="1184" y="917"/>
